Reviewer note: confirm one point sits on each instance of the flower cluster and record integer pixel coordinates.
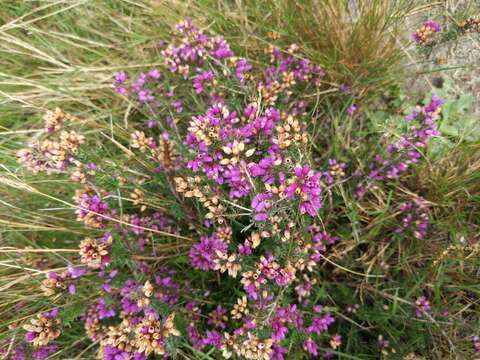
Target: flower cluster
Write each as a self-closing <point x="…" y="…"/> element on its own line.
<point x="401" y="155"/>
<point x="59" y="282"/>
<point x="151" y="334"/>
<point x="51" y="156"/>
<point x="163" y="150"/>
<point x="424" y="34"/>
<point x="57" y="154"/>
<point x="44" y="329"/>
<point x="91" y="209"/>
<point x="95" y="253"/>
<point x="306" y="185"/>
<point x="54" y="120"/>
<point x="422" y="306"/>
<point x="415" y="217"/>
<point x="141" y="330"/>
<point x="204" y="254"/>
<point x="192" y="49"/>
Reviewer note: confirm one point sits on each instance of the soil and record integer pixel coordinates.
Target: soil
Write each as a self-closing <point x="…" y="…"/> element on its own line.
<point x="456" y="61"/>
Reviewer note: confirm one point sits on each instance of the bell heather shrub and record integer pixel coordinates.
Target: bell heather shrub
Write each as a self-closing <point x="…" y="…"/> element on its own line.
<point x="218" y="240"/>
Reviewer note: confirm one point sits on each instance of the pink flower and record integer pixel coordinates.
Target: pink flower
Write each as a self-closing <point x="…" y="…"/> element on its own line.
<point x="352" y="109"/>
<point x="422" y="306"/>
<point x="261" y="203"/>
<point x="201" y="79"/>
<point x="203" y="254"/>
<point x="321" y="324"/>
<point x="154" y="74"/>
<point x="424" y="34"/>
<point x="306" y="185"/>
<point x="310" y="346"/>
<point x="120" y="77"/>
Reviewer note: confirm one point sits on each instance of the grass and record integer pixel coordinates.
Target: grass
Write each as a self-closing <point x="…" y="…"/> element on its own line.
<point x="331" y="33"/>
<point x="64" y="54"/>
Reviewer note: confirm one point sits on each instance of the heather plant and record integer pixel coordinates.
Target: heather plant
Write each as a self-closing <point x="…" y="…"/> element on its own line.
<point x="238" y="219"/>
<point x="357" y="41"/>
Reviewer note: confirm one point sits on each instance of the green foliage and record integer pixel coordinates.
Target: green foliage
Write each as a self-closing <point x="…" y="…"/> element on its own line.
<point x="458" y="121"/>
<point x="71" y="312"/>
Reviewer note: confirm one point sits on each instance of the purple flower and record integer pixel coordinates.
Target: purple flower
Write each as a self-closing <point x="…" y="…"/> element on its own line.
<point x="178" y="106"/>
<point x="328" y="354"/>
<point x="120" y="77"/>
<point x="433" y="25"/>
<point x="424" y="34"/>
<point x="30" y="336"/>
<point x="310" y="346"/>
<point x="415" y="217"/>
<point x="306" y="184"/>
<point x="237" y="180"/>
<point x="114" y="353"/>
<point x="52" y="314"/>
<point x="72" y="289"/>
<point x="43" y="352"/>
<point x="145" y="95"/>
<point x="154" y="74"/>
<point x="261" y="203"/>
<point x="221" y="50"/>
<point x="352" y="109"/>
<point x="278" y="352"/>
<point x="213" y="338"/>
<point x="194" y="337"/>
<point x="403" y="153"/>
<point x="245" y="248"/>
<point x="92" y="209"/>
<point x="321" y="324"/>
<point x="107" y="287"/>
<point x="76" y="271"/>
<point x="279" y="331"/>
<point x="264" y="168"/>
<point x="218" y="317"/>
<point x="203" y="254"/>
<point x="201" y="79"/>
<point x="152" y="124"/>
<point x="241" y="68"/>
<point x="422" y="306"/>
<point x="103" y="310"/>
<point x="344" y="88"/>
